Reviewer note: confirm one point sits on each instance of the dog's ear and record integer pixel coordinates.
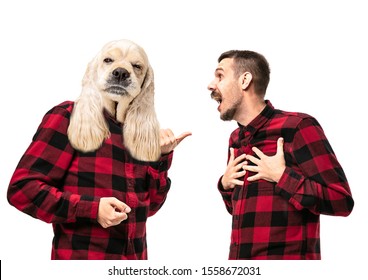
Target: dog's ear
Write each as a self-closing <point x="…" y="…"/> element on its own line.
<point x="141" y="128"/>
<point x="88" y="128"/>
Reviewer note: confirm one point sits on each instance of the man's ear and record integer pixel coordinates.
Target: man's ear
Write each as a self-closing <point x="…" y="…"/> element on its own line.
<point x="246" y="79"/>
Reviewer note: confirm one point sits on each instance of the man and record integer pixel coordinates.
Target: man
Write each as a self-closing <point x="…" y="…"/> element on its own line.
<point x="282" y="172"/>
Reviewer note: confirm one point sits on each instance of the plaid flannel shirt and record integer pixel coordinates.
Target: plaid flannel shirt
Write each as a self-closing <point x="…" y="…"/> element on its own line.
<point x="281" y="221"/>
<point x="59" y="185"/>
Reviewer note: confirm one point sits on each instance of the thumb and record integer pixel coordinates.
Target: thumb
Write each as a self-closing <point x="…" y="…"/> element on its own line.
<point x="232" y="156"/>
<point x="182" y="136"/>
<point x="120" y="215"/>
<point x="280" y="146"/>
<point x="121" y="206"/>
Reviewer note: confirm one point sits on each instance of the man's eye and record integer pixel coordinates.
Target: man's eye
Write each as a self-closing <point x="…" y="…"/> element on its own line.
<point x="108" y="60"/>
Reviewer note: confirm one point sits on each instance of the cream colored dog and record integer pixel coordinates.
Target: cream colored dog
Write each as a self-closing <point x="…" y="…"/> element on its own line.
<point x="120" y="80"/>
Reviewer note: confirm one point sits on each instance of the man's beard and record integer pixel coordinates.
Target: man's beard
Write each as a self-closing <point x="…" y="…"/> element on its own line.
<point x="229" y="114"/>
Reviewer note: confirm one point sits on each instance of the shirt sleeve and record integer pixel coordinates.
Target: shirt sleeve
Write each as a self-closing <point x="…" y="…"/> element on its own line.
<point x="226" y="196"/>
<point x="36" y="187"/>
<point x="159" y="182"/>
<point x="317" y="182"/>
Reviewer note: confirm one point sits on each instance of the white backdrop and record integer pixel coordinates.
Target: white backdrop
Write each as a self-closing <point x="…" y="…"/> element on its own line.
<point x="317" y="51"/>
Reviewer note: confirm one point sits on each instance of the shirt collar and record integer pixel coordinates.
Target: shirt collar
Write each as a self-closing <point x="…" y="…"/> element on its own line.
<point x="110" y="118"/>
<point x="257" y="122"/>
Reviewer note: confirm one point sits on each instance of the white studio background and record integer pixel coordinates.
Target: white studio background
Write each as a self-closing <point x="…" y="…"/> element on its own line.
<point x="317" y="51"/>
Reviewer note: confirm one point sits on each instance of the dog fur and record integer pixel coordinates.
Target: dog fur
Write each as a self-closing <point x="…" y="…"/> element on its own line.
<point x="119" y="79"/>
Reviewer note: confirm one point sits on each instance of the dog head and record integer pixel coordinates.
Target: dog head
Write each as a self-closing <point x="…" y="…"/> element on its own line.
<point x="119" y="70"/>
<point x="119" y="79"/>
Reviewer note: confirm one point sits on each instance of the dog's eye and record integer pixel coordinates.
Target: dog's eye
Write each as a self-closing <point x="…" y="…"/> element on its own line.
<point x="108" y="60"/>
<point x="137" y="66"/>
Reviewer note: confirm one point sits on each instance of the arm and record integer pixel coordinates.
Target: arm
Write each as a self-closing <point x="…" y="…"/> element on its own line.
<point x="159" y="184"/>
<point x="321" y="186"/>
<point x="230" y="179"/>
<point x="318" y="182"/>
<point x="36" y="185"/>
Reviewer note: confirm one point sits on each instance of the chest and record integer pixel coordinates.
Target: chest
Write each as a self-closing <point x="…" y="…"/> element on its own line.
<point x="265" y="139"/>
<point x="106" y="170"/>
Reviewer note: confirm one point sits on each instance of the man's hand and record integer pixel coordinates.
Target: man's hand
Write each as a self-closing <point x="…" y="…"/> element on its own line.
<point x="111" y="212"/>
<point x="233" y="171"/>
<point x="168" y="140"/>
<point x="269" y="168"/>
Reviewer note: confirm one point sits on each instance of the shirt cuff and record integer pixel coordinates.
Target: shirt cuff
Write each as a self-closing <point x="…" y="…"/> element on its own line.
<point x="289" y="182"/>
<point x="221" y="188"/>
<point x="87" y="208"/>
<point x="164" y="163"/>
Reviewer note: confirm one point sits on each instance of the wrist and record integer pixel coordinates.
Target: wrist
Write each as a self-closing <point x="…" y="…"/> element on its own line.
<point x="224" y="186"/>
<point x="278" y="175"/>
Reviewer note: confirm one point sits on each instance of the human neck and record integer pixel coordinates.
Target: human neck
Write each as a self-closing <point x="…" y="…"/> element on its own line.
<point x="250" y="111"/>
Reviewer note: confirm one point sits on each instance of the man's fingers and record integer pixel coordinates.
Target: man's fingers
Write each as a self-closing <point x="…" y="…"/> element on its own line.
<point x="111" y="212"/>
<point x="253" y="159"/>
<point x="239" y="159"/>
<point x="239" y="174"/>
<point x="254" y="178"/>
<point x="280" y="146"/>
<point x="240" y="165"/>
<point x="119" y="206"/>
<point x="232" y="156"/>
<point x="182" y="136"/>
<point x="167" y="135"/>
<point x="258" y="152"/>
<point x="168" y="141"/>
<point x="237" y="182"/>
<point x="120" y="216"/>
<point x="123" y="208"/>
<point x="251" y="168"/>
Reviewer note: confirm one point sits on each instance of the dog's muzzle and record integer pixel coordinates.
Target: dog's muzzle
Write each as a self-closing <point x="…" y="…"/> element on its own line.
<point x="120" y="75"/>
<point x="118" y="82"/>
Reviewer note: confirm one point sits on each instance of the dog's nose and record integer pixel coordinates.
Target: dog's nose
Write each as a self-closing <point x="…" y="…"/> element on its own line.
<point x="120" y="74"/>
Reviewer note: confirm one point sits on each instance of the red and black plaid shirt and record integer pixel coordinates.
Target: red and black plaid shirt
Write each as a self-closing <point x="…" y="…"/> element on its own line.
<point x="59" y="185"/>
<point x="281" y="221"/>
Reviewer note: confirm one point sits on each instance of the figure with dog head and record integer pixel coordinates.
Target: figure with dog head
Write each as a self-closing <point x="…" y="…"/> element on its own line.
<point x="97" y="168"/>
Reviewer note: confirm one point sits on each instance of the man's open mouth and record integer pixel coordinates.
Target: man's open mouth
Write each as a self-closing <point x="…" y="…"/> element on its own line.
<point x="217" y="97"/>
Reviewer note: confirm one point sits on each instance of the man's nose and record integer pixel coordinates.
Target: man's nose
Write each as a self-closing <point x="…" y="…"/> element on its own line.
<point x="211" y="86"/>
